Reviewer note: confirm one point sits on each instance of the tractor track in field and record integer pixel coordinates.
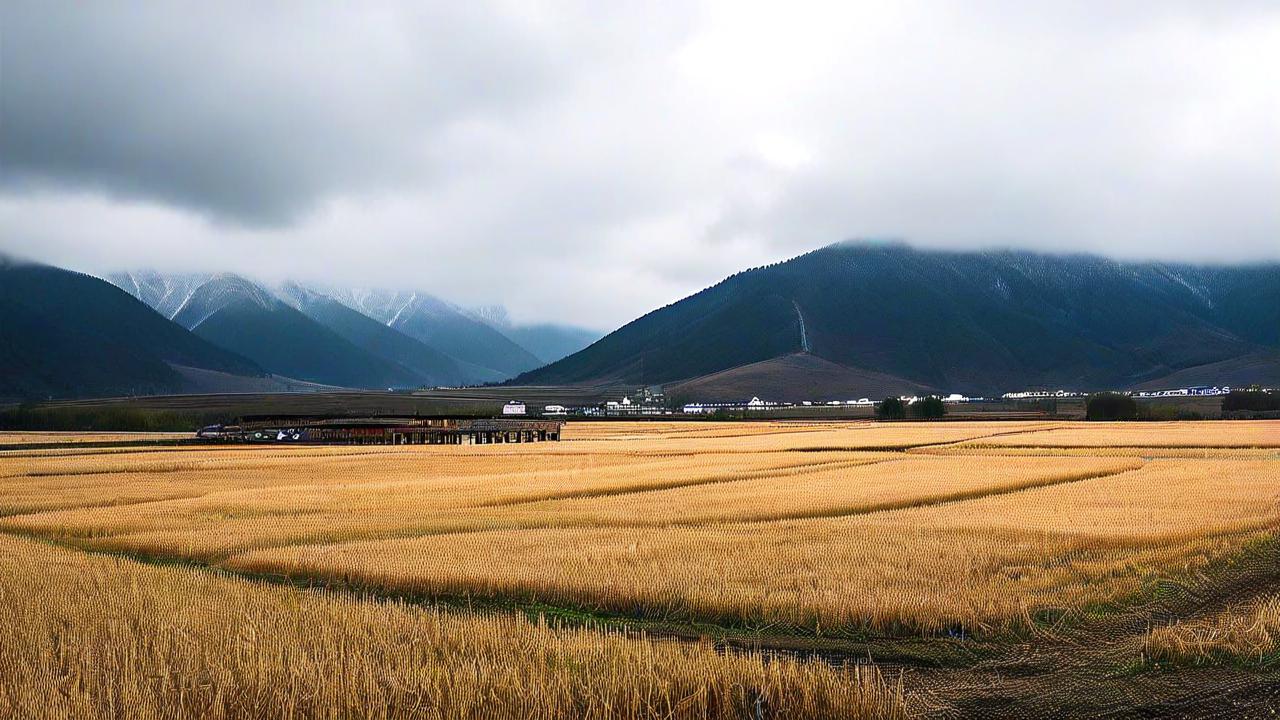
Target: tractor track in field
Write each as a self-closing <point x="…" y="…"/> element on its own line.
<point x="1097" y="669"/>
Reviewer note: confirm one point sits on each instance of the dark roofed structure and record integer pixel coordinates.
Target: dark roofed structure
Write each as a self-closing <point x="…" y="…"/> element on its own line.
<point x="382" y="430"/>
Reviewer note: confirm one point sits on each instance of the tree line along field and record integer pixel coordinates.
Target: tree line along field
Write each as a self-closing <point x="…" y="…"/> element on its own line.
<point x="765" y="563"/>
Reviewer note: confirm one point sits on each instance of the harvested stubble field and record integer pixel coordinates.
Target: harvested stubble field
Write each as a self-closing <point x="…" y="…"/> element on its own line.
<point x="954" y="551"/>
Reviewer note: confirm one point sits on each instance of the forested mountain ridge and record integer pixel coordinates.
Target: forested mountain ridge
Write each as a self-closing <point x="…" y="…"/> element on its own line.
<point x="976" y="322"/>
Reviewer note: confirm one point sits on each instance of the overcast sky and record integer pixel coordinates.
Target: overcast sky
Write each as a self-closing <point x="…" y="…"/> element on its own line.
<point x="589" y="162"/>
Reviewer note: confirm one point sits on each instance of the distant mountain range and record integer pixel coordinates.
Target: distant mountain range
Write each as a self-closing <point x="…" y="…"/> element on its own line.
<point x="427" y="365"/>
<point x="67" y="334"/>
<point x="849" y="320"/>
<point x="887" y="315"/>
<point x="484" y="352"/>
<point x="368" y="338"/>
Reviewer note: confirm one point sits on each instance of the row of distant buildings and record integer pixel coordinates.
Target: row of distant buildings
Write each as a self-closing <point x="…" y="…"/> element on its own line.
<point x="613" y="408"/>
<point x="1196" y="391"/>
<point x="756" y="403"/>
<point x="649" y="402"/>
<point x="646" y="401"/>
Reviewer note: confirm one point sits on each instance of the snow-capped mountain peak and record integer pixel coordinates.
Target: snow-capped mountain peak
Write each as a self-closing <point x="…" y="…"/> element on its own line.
<point x="168" y="294"/>
<point x="495" y="316"/>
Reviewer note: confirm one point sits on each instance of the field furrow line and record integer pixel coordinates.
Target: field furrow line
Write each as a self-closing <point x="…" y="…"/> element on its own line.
<point x="928" y="501"/>
<point x="779" y="472"/>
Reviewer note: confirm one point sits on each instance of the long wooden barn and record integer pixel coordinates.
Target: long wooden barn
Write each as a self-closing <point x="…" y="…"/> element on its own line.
<point x="382" y="431"/>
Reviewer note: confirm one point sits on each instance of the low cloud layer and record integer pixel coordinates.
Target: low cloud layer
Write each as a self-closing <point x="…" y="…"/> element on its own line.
<point x="588" y="162"/>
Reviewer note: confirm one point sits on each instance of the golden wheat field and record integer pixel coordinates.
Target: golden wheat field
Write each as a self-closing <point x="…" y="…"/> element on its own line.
<point x="434" y="557"/>
<point x="92" y="636"/>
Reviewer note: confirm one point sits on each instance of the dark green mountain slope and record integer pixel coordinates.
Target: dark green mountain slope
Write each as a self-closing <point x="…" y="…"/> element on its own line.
<point x="976" y="322"/>
<point x="431" y="366"/>
<point x="433" y="322"/>
<point x="1244" y="300"/>
<point x="65" y="334"/>
<point x="240" y="316"/>
<point x="483" y="353"/>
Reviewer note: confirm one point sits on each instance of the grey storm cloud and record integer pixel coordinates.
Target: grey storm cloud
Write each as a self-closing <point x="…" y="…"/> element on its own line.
<point x="536" y="153"/>
<point x="249" y="112"/>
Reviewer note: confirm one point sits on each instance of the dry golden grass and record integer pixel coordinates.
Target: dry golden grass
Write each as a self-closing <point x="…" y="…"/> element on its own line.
<point x="647" y="430"/>
<point x="1248" y="634"/>
<point x="822" y="485"/>
<point x="1167" y="500"/>
<point x="28" y="484"/>
<point x="86" y="636"/>
<point x="1188" y="453"/>
<point x="828" y="576"/>
<point x="349" y="498"/>
<point x="808" y="525"/>
<point x="781" y="436"/>
<point x="891" y="481"/>
<point x="981" y="562"/>
<point x="1217" y="434"/>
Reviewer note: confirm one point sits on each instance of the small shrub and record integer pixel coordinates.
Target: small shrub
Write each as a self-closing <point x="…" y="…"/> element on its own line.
<point x="930" y="407"/>
<point x="1111" y="406"/>
<point x="1251" y="399"/>
<point x="891" y="408"/>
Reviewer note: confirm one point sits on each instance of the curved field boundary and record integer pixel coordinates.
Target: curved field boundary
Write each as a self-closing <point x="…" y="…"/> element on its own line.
<point x="797" y="469"/>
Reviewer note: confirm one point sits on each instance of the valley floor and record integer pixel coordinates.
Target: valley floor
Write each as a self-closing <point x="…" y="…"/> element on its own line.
<point x="784" y="569"/>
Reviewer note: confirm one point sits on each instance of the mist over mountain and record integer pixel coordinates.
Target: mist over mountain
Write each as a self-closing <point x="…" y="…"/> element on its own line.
<point x="550" y="342"/>
<point x="547" y="341"/>
<point x="975" y="322"/>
